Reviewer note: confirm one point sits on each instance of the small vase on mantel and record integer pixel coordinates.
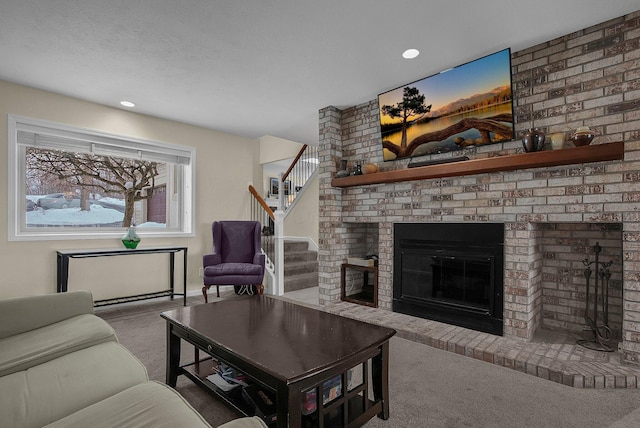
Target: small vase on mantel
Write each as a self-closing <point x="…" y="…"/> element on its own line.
<point x="533" y="140"/>
<point x="131" y="238"/>
<point x="343" y="171"/>
<point x="557" y="140"/>
<point x="358" y="170"/>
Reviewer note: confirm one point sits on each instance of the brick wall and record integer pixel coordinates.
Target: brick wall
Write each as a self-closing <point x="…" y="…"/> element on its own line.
<point x="563" y="248"/>
<point x="588" y="78"/>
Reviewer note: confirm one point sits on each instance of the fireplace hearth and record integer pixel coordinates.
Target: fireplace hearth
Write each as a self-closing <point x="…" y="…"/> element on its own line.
<point x="452" y="273"/>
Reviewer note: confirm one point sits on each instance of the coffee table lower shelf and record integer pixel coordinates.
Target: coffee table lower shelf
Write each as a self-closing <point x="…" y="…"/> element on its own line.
<point x="359" y="408"/>
<point x="198" y="373"/>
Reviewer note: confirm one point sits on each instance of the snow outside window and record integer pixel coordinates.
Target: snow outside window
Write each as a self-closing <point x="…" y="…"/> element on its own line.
<point x="71" y="183"/>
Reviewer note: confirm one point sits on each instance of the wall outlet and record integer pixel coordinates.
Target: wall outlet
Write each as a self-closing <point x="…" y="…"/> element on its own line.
<point x="201" y="272"/>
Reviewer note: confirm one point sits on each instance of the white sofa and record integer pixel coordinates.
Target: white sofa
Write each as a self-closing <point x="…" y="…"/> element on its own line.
<point x="62" y="366"/>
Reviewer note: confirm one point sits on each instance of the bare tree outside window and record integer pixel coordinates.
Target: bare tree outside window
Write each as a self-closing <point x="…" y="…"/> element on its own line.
<point x="134" y="179"/>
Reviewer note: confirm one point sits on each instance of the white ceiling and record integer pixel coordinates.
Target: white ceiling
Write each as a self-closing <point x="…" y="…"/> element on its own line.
<point x="258" y="67"/>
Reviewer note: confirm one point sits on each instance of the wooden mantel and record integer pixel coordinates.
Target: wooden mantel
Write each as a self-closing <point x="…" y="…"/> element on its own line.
<point x="569" y="156"/>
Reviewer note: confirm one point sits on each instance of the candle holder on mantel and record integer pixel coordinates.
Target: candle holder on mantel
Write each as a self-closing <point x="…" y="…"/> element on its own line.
<point x="601" y="333"/>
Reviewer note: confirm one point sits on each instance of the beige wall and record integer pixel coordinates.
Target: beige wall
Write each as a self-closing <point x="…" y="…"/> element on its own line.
<point x="225" y="165"/>
<point x="303" y="219"/>
<point x="273" y="149"/>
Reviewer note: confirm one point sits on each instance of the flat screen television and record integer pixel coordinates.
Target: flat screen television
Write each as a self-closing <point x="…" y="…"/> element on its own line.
<point x="468" y="105"/>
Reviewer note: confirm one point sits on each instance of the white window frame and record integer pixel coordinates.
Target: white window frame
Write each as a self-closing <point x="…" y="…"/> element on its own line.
<point x="103" y="143"/>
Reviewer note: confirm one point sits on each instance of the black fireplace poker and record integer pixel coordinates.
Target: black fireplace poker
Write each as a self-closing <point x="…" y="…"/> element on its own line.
<point x="601" y="332"/>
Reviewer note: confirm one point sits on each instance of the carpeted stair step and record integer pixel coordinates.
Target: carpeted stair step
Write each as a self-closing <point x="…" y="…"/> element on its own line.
<point x="299" y="282"/>
<point x="300" y="256"/>
<point x="300" y="266"/>
<point x="295" y="246"/>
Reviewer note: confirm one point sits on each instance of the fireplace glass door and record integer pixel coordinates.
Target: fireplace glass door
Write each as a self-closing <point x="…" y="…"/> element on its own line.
<point x="449" y="278"/>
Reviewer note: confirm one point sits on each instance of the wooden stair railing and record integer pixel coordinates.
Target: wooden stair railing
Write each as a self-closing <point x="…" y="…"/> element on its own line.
<point x="295" y="161"/>
<point x="258" y="209"/>
<point x="297" y="175"/>
<point x="261" y="201"/>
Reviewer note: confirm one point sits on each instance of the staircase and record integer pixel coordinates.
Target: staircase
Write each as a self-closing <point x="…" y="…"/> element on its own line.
<point x="290" y="266"/>
<point x="300" y="266"/>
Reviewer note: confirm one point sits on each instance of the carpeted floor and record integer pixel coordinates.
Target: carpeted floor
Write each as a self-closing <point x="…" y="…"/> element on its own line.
<point x="429" y="387"/>
<point x="143" y="332"/>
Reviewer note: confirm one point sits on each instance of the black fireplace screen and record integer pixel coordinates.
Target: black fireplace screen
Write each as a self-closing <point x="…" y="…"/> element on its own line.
<point x="453" y="275"/>
<point x="450" y="278"/>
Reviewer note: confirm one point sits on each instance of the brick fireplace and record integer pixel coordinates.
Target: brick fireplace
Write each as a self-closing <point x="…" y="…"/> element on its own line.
<point x="553" y="216"/>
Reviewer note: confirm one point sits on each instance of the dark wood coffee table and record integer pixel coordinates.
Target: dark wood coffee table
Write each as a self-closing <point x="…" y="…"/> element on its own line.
<point x="287" y="350"/>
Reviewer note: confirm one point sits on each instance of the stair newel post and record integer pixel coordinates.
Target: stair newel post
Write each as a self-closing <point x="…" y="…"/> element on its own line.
<point x="281" y="193"/>
<point x="279" y="251"/>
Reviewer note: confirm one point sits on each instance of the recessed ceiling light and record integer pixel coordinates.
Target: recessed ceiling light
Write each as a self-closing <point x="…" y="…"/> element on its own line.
<point x="410" y="53"/>
<point x="127" y="103"/>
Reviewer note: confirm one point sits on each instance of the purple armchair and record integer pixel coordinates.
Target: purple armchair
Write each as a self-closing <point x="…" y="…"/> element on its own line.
<point x="236" y="259"/>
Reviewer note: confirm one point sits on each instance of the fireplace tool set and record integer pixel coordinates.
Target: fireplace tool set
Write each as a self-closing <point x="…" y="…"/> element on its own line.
<point x="601" y="332"/>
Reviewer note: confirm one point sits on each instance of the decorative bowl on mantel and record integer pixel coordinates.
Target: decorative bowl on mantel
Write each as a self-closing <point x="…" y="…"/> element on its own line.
<point x="582" y="137"/>
<point x="369" y="168"/>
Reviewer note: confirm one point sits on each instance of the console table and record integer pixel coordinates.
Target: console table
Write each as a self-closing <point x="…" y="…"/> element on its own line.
<point x="63" y="257"/>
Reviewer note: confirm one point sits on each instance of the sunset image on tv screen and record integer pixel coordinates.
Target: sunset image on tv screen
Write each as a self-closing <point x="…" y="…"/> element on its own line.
<point x="469" y="105"/>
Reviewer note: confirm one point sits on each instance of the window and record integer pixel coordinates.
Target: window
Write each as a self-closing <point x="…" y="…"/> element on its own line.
<point x="71" y="183"/>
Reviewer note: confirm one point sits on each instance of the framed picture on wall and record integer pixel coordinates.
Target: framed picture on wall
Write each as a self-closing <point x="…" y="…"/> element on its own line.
<point x="273" y="186"/>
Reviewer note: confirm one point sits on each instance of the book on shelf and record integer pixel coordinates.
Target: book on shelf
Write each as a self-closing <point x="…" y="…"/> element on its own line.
<point x="226" y="377"/>
<point x="262" y="401"/>
<point x="309" y="401"/>
<point x="331" y="389"/>
<point x="221" y="383"/>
